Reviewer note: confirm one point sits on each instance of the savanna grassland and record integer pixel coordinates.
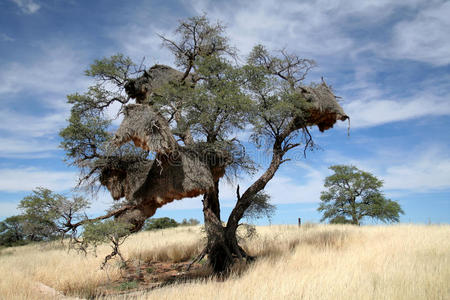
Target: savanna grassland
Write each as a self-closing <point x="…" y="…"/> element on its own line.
<point x="311" y="262"/>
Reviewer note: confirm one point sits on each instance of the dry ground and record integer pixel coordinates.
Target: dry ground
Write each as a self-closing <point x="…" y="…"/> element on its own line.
<point x="312" y="262"/>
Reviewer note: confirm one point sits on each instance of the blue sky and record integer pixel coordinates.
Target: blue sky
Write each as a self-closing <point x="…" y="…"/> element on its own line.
<point x="388" y="60"/>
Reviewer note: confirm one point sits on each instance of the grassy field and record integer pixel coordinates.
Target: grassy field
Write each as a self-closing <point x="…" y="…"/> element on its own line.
<point x="312" y="262"/>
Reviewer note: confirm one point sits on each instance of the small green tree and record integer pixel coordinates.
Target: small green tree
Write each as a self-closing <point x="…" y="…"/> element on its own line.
<point x="112" y="231"/>
<point x="160" y="223"/>
<point x="352" y="195"/>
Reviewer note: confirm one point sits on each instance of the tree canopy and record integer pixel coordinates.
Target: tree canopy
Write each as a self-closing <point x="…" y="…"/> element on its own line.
<point x="160" y="223"/>
<point x="45" y="215"/>
<point x="353" y="195"/>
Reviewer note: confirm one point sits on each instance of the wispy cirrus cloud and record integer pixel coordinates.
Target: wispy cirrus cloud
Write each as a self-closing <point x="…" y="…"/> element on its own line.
<point x="28" y="178"/>
<point x="422" y="168"/>
<point x="26" y="148"/>
<point x="6" y="38"/>
<point x="376" y="111"/>
<point x="321" y="28"/>
<point x="27" y="6"/>
<point x="33" y="93"/>
<point x="21" y="124"/>
<point x="57" y="70"/>
<point x="423" y="38"/>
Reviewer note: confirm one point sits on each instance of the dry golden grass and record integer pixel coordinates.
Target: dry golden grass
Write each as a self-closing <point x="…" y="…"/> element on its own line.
<point x="313" y="262"/>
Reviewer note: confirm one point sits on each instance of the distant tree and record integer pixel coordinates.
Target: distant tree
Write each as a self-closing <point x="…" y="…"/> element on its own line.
<point x="160" y="223"/>
<point x="45" y="214"/>
<point x="352" y="195"/>
<point x="190" y="222"/>
<point x="11" y="231"/>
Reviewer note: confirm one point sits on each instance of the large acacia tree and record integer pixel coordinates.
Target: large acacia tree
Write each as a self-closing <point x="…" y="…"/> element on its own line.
<point x="178" y="135"/>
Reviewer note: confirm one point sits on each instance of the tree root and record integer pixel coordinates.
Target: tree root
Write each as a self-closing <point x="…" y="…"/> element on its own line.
<point x="197" y="259"/>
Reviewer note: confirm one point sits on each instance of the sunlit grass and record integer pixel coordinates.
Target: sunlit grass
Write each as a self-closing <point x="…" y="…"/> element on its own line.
<point x="313" y="262"/>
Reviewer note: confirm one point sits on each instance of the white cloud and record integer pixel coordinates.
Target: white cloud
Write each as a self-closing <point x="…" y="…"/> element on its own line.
<point x="307" y="26"/>
<point x="423" y="168"/>
<point x="284" y="190"/>
<point x="26" y="179"/>
<point x="29" y="136"/>
<point x="142" y="41"/>
<point x="316" y="29"/>
<point x="310" y="28"/>
<point x="425" y="38"/>
<point x="58" y="70"/>
<point x="31" y="125"/>
<point x="27" y="6"/>
<point x="6" y="38"/>
<point x="370" y="112"/>
<point x="19" y="147"/>
<point x="99" y="202"/>
<point x="45" y="81"/>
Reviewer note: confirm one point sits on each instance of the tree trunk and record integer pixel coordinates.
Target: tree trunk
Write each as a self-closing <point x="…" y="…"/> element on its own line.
<point x="222" y="247"/>
<point x="245" y="200"/>
<point x="355" y="219"/>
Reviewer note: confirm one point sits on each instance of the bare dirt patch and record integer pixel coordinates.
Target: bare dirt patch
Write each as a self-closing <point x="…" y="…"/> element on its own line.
<point x="147" y="276"/>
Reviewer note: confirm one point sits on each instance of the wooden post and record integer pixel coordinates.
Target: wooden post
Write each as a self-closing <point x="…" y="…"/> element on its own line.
<point x="299" y="222"/>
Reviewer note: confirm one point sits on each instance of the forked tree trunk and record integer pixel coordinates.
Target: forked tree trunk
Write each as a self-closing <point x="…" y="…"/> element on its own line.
<point x="222" y="247"/>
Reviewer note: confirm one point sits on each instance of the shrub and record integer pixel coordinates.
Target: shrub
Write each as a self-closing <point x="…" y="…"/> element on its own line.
<point x="160" y="223"/>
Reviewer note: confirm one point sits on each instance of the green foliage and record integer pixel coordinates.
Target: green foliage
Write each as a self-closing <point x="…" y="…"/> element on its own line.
<point x="198" y="38"/>
<point x="356" y="194"/>
<point x="219" y="105"/>
<point x="115" y="69"/>
<point x="96" y="233"/>
<point x="45" y="216"/>
<point x="129" y="285"/>
<point x="340" y="220"/>
<point x="114" y="232"/>
<point x="160" y="223"/>
<point x="273" y="81"/>
<point x="85" y="135"/>
<point x="40" y="212"/>
<point x="260" y="207"/>
<point x="11" y="232"/>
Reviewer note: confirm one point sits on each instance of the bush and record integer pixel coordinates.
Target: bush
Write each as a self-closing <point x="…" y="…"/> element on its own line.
<point x="190" y="222"/>
<point x="160" y="223"/>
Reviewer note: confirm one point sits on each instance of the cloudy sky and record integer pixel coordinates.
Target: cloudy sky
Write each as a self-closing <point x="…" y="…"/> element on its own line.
<point x="388" y="60"/>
